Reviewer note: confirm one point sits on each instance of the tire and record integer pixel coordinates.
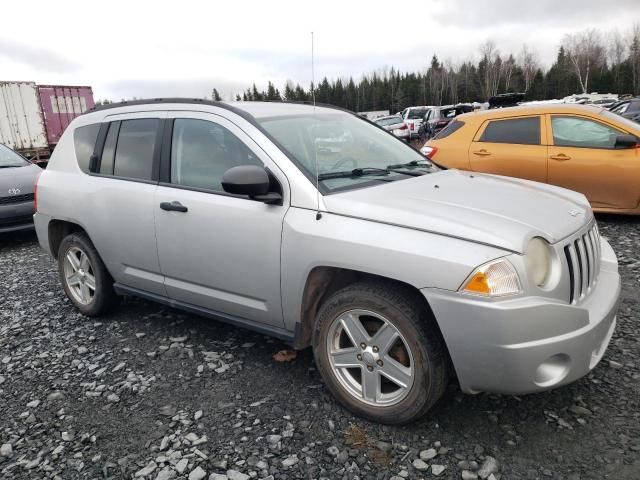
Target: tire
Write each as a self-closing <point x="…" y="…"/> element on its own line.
<point x="423" y="365"/>
<point x="89" y="271"/>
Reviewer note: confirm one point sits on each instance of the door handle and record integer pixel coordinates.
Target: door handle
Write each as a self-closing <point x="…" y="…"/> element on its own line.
<point x="173" y="207"/>
<point x="561" y="157"/>
<point x="481" y="153"/>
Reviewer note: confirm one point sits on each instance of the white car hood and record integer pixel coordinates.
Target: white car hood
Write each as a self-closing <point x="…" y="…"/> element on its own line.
<point x="499" y="211"/>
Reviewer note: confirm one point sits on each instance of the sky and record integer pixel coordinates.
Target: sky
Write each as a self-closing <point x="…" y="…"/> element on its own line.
<point x="145" y="49"/>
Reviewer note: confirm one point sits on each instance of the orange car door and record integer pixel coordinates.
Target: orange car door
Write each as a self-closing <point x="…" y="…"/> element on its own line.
<point x="514" y="147"/>
<point x="583" y="156"/>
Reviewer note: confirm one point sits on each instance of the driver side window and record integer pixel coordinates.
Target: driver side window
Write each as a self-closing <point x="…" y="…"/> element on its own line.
<point x="202" y="151"/>
<point x="581" y="132"/>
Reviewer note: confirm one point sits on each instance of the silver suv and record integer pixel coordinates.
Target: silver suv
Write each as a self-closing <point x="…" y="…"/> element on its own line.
<point x="398" y="274"/>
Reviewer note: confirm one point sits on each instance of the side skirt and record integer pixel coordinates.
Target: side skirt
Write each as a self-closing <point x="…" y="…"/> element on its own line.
<point x="270" y="330"/>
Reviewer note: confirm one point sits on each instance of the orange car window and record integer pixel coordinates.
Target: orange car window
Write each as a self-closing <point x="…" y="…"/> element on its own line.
<point x="524" y="131"/>
<point x="569" y="131"/>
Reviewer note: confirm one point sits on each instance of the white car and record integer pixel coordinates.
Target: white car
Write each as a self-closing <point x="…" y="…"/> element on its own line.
<point x="413" y="117"/>
<point x="395" y="125"/>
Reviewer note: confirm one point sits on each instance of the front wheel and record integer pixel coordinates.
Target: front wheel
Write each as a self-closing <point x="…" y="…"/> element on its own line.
<point x="380" y="353"/>
<point x="84" y="277"/>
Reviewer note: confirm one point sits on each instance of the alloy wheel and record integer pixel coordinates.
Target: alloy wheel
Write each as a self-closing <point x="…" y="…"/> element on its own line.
<point x="79" y="276"/>
<point x="370" y="357"/>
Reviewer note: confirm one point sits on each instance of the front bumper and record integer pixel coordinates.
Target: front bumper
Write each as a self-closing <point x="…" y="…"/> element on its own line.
<point x="15" y="217"/>
<point x="527" y="344"/>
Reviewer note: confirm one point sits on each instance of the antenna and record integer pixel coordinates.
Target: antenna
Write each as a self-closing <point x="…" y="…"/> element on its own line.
<point x="315" y="152"/>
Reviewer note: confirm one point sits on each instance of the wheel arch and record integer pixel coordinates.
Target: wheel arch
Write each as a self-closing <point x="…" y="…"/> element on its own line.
<point x="58" y="230"/>
<point x="323" y="281"/>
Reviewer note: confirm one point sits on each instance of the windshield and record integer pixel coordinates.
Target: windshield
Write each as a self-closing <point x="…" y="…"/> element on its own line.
<point x="9" y="158"/>
<point x="340" y="142"/>
<point x="388" y="121"/>
<point x="416" y="113"/>
<point x="630" y="125"/>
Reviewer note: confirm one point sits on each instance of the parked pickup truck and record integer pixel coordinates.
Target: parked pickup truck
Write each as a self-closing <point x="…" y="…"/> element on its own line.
<point x="395" y="272"/>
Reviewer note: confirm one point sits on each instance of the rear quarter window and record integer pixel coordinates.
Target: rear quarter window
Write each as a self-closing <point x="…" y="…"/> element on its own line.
<point x="451" y="128"/>
<point x="84" y="139"/>
<point x="522" y="131"/>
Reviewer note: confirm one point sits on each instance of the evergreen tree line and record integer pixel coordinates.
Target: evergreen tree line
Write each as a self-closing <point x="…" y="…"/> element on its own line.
<point x="588" y="61"/>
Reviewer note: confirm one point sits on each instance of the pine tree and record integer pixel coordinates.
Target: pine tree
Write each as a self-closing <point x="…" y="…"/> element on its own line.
<point x="216" y="96"/>
<point x="272" y="93"/>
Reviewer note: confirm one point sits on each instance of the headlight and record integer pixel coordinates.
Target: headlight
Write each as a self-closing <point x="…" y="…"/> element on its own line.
<point x="493" y="279"/>
<point x="538" y="261"/>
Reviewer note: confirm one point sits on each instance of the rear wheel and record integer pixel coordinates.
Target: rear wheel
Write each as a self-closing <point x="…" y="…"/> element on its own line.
<point x="380" y="352"/>
<point x="84" y="277"/>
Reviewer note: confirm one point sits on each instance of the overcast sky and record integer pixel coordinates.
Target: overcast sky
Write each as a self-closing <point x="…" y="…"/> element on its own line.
<point x="185" y="48"/>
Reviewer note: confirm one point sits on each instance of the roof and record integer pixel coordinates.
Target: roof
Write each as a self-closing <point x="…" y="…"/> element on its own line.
<point x="386" y="117"/>
<point x="253" y="109"/>
<point x="521" y="110"/>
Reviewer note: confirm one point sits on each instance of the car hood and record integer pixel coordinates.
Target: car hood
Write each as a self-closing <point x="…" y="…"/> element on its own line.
<point x="18" y="178"/>
<point x="498" y="211"/>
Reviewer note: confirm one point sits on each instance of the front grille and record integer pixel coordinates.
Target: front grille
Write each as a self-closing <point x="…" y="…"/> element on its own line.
<point x="16" y="199"/>
<point x="583" y="259"/>
<point x="15" y="221"/>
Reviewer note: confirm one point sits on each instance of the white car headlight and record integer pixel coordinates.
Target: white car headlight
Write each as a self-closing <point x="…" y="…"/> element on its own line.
<point x="538" y="261"/>
<point x="493" y="279"/>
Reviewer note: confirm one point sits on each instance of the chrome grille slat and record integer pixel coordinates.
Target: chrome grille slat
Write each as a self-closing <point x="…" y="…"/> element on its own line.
<point x="582" y="254"/>
<point x="574" y="272"/>
<point x="582" y="259"/>
<point x="594" y="249"/>
<point x="590" y="265"/>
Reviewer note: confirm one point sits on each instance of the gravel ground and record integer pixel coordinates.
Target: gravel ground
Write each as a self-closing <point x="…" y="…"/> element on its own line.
<point x="151" y="393"/>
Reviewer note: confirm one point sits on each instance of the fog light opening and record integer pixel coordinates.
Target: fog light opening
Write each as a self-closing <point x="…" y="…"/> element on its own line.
<point x="553" y="370"/>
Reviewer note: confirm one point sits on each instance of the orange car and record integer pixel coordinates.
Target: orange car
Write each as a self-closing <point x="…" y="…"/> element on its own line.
<point x="582" y="148"/>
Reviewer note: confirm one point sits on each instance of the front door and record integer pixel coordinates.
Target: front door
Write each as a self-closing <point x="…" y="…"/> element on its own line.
<point x="222" y="252"/>
<point x="512" y="147"/>
<point x="583" y="157"/>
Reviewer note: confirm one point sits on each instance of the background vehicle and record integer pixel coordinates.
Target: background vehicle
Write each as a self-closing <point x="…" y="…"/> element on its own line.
<point x="635" y="117"/>
<point x="374" y="114"/>
<point x="388" y="267"/>
<point x="394" y="124"/>
<point x="17" y="177"/>
<point x="437" y="118"/>
<point x="579" y="147"/>
<point x="413" y="117"/>
<point x="627" y="108"/>
<point x="33" y="117"/>
<point x="506" y="100"/>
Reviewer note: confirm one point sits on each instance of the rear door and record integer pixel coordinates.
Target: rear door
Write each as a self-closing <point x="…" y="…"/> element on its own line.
<point x="119" y="211"/>
<point x="515" y="147"/>
<point x="583" y="157"/>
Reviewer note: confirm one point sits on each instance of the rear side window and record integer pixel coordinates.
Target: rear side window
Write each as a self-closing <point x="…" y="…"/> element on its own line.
<point x="84" y="139"/>
<point x="525" y="131"/>
<point x="417" y="113"/>
<point x="451" y="128"/>
<point x="135" y="148"/>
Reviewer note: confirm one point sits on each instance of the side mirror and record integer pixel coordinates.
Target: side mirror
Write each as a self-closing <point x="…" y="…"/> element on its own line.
<point x="626" y="141"/>
<point x="252" y="181"/>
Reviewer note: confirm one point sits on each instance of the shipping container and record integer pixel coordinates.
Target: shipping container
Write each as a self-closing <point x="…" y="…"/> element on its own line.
<point x="60" y="105"/>
<point x="34" y="117"/>
<point x="21" y="122"/>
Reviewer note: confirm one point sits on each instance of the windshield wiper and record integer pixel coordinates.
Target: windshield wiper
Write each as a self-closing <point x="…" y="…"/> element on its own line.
<point x="356" y="172"/>
<point x="10" y="166"/>
<point x="413" y="163"/>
